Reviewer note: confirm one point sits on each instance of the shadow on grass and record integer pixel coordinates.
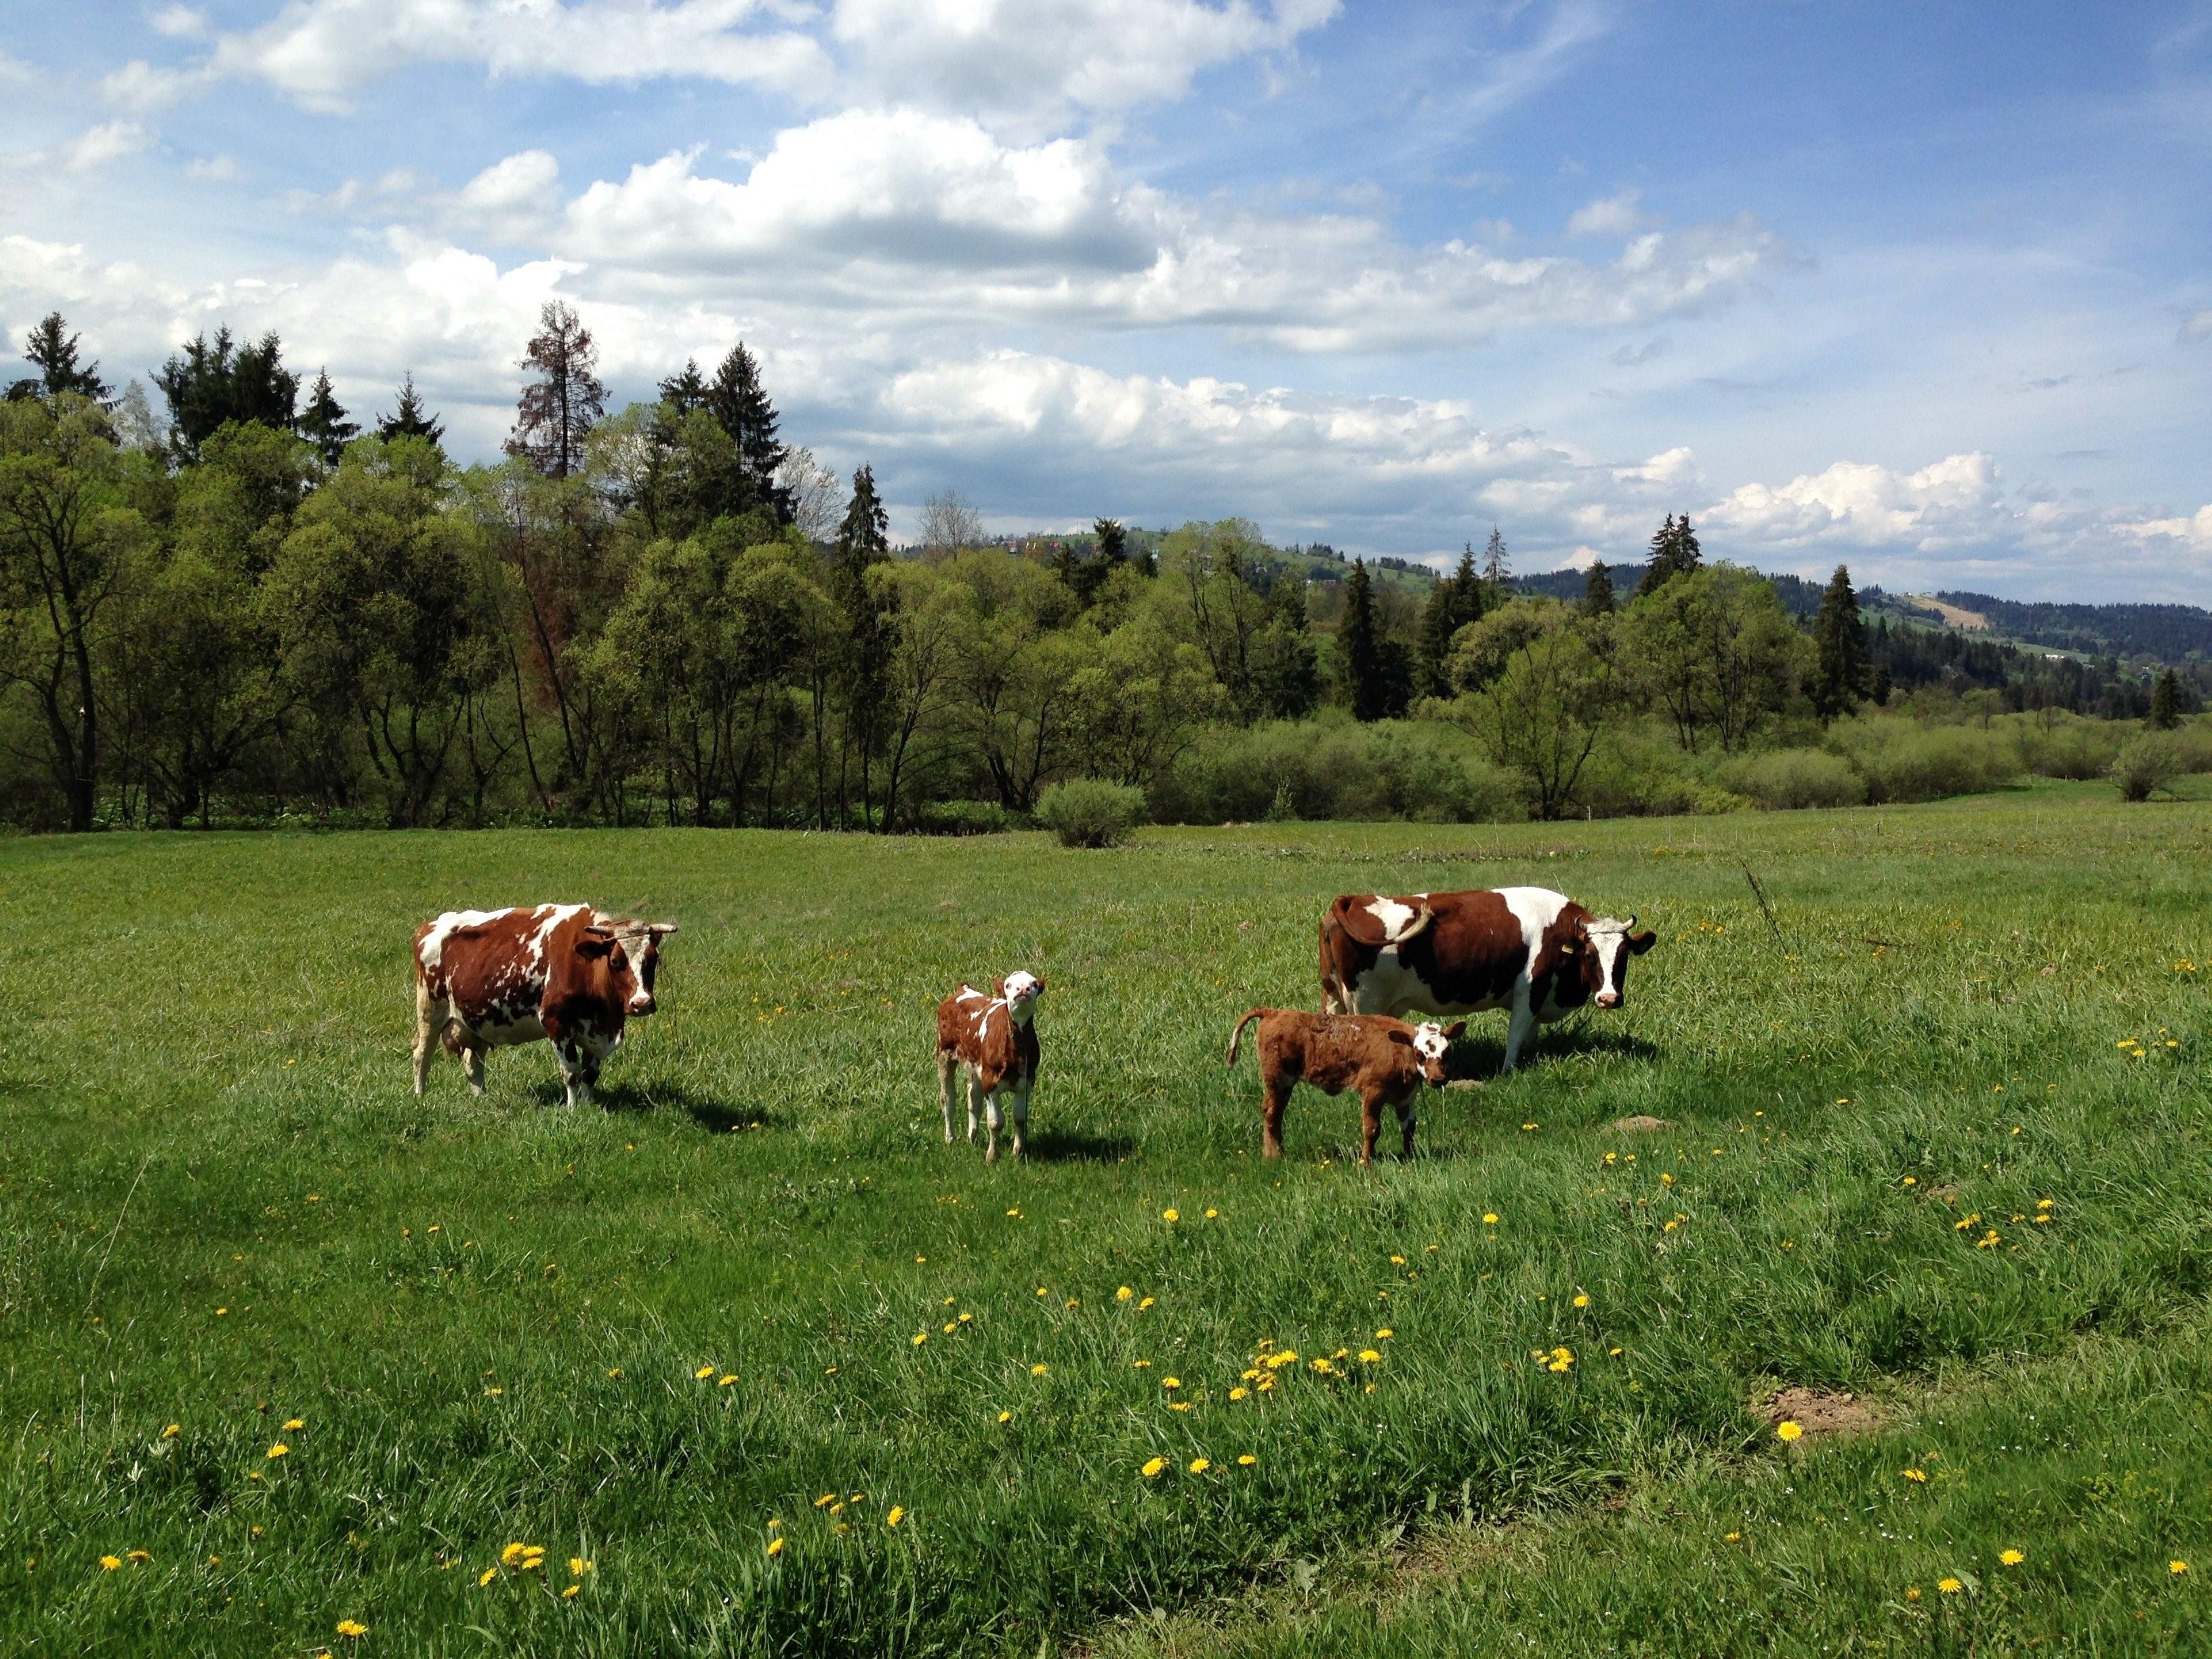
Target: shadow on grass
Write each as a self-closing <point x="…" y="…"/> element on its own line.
<point x="638" y="1099"/>
<point x="1479" y="1058"/>
<point x="1077" y="1146"/>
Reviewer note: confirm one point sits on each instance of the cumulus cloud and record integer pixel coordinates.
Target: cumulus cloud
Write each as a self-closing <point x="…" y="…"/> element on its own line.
<point x="1673" y="466"/>
<point x="144" y="89"/>
<point x="320" y="51"/>
<point x="512" y="200"/>
<point x="1954" y="500"/>
<point x="1613" y="215"/>
<point x="179" y="23"/>
<point x="219" y="169"/>
<point x="111" y="140"/>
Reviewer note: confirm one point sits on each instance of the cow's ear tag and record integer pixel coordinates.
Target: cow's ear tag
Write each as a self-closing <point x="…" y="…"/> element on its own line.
<point x="1568" y="947"/>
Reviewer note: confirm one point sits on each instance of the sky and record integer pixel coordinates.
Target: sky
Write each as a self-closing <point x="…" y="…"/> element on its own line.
<point x="1923" y="289"/>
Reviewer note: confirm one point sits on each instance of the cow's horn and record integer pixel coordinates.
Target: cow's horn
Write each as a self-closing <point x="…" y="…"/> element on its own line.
<point x="1630" y="926"/>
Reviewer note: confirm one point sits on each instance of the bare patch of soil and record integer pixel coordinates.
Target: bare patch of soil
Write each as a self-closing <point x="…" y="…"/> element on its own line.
<point x="1641" y="1125"/>
<point x="1819" y="1411"/>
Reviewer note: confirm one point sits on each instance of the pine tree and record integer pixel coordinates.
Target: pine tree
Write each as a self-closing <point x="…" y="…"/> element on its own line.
<point x="1597" y="590"/>
<point x="1113" y="542"/>
<point x="736" y="399"/>
<point x="52" y="351"/>
<point x="323" y="422"/>
<point x="1674" y="552"/>
<point x="684" y="391"/>
<point x="410" y="419"/>
<point x="1840" y="679"/>
<point x="1436" y="629"/>
<point x="207" y="384"/>
<point x="1497" y="569"/>
<point x="1361" y="670"/>
<point x="558" y="409"/>
<point x="2166" y="702"/>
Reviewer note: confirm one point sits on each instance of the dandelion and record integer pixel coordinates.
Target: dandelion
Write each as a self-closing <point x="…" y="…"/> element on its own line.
<point x="2176" y="1568"/>
<point x="352" y="1628"/>
<point x="1490" y="1218"/>
<point x="1919" y="1477"/>
<point x="1246" y="1460"/>
<point x="967" y="1319"/>
<point x="1039" y="1369"/>
<point x="172" y="1431"/>
<point x="1172" y="1381"/>
<point x="494" y="1393"/>
<point x="1397" y="1260"/>
<point x="1912" y="1592"/>
<point x="1949" y="1586"/>
<point x="513" y="1553"/>
<point x="1666" y="1179"/>
<point x="1144" y="1304"/>
<point x="1153" y="1467"/>
<point x="897" y="1513"/>
<point x="572" y="1592"/>
<point x="486" y="1576"/>
<point x="1787" y="1429"/>
<point x="280" y="1449"/>
<point x="1201" y="1465"/>
<point x="825" y="1500"/>
<point x="1074" y="1302"/>
<point x="920" y="1337"/>
<point x="1526" y="1128"/>
<point x="1211" y="1215"/>
<point x="110" y="1562"/>
<point x="2011" y="1557"/>
<point x="1124" y="1294"/>
<point x="703" y="1372"/>
<point x="1240" y="1392"/>
<point x="614" y="1370"/>
<point x="1582" y="1299"/>
<point x="1384" y="1334"/>
<point x="1005" y="1416"/>
<point x="775" y="1546"/>
<point x="578" y="1567"/>
<point x="1369" y="1357"/>
<point x="1170" y="1215"/>
<point x="292" y="1423"/>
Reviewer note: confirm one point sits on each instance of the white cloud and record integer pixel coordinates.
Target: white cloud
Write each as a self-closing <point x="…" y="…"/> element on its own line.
<point x="1671" y="467"/>
<point x="180" y="22"/>
<point x="219" y="169"/>
<point x="318" y="52"/>
<point x="146" y="89"/>
<point x="2194" y="532"/>
<point x="1611" y="216"/>
<point x="13" y="69"/>
<point x="1955" y="501"/>
<point x="111" y="140"/>
<point x="1030" y="62"/>
<point x="512" y="200"/>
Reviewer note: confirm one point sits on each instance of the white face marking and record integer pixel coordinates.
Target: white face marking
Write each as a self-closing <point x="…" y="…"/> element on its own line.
<point x="1023" y="989"/>
<point x="1430" y="1041"/>
<point x="1609" y="938"/>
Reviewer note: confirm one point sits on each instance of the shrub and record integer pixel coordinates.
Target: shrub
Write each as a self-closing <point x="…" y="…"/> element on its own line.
<point x="963" y="817"/>
<point x="1785" y="779"/>
<point x="2067" y="745"/>
<point x="2148" y="763"/>
<point x="1638" y="770"/>
<point x="1332" y="768"/>
<point x="1090" y="811"/>
<point x="1902" y="761"/>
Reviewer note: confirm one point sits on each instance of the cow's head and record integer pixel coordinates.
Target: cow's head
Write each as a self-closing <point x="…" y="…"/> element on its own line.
<point x="1429" y="1042"/>
<point x="1020" y="990"/>
<point x="1602" y="947"/>
<point x="640" y="942"/>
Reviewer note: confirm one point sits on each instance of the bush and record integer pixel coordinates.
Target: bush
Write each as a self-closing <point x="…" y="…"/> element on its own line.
<point x="1638" y="770"/>
<point x="2067" y="745"/>
<point x="1786" y="779"/>
<point x="1902" y="761"/>
<point x="1332" y="768"/>
<point x="2148" y="763"/>
<point x="1090" y="811"/>
<point x="963" y="817"/>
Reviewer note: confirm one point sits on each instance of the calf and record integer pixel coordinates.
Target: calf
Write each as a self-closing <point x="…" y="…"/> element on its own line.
<point x="1527" y="948"/>
<point x="1386" y="1061"/>
<point x="993" y="1038"/>
<point x="489" y="979"/>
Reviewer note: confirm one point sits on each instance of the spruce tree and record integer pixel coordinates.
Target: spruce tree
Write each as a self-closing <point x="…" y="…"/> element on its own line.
<point x="323" y="422"/>
<point x="1674" y="552"/>
<point x="1597" y="590"/>
<point x="52" y="351"/>
<point x="684" y="391"/>
<point x="1113" y="542"/>
<point x="207" y="385"/>
<point x="1437" y="628"/>
<point x="2166" y="702"/>
<point x="1361" y="670"/>
<point x="559" y="407"/>
<point x="410" y="419"/>
<point x="736" y="399"/>
<point x="1840" y="677"/>
<point x="1497" y="569"/>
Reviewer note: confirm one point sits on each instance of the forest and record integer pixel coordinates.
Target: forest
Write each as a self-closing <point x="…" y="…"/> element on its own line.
<point x="241" y="608"/>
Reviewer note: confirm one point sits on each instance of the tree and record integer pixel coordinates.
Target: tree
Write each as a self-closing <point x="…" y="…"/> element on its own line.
<point x="1674" y="553"/>
<point x="557" y="408"/>
<point x="1597" y="590"/>
<point x="1716" y="651"/>
<point x="1840" y="675"/>
<point x="1497" y="569"/>
<point x="2166" y="702"/>
<point x="52" y="351"/>
<point x="1536" y="692"/>
<point x="1362" y="669"/>
<point x="323" y="422"/>
<point x="1286" y="669"/>
<point x="1455" y="601"/>
<point x="686" y="391"/>
<point x="950" y="523"/>
<point x="68" y="540"/>
<point x="411" y="420"/>
<point x="812" y="489"/>
<point x="736" y="399"/>
<point x="861" y="674"/>
<point x="1113" y="541"/>
<point x="207" y="384"/>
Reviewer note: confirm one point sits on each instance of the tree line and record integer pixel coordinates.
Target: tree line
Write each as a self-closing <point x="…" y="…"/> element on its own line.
<point x="245" y="605"/>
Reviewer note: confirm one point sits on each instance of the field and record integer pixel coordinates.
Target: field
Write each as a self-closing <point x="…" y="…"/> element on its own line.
<point x="761" y="1367"/>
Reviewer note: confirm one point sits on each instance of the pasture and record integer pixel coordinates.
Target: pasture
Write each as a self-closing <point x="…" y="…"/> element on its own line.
<point x="291" y="1348"/>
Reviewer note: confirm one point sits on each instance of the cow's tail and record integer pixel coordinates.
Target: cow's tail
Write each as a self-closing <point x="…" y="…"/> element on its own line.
<point x="1237" y="1036"/>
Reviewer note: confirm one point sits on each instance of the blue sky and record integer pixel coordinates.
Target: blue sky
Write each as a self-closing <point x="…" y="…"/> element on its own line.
<point x="1921" y="288"/>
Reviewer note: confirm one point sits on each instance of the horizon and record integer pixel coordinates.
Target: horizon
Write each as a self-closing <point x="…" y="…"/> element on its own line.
<point x="1899" y="292"/>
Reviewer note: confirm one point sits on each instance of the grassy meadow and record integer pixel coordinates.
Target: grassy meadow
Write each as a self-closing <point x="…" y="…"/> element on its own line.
<point x="744" y="1361"/>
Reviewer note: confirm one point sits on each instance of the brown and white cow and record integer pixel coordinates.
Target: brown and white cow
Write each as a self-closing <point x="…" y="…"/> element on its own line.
<point x="571" y="974"/>
<point x="1529" y="949"/>
<point x="1385" y="1061"/>
<point x="993" y="1037"/>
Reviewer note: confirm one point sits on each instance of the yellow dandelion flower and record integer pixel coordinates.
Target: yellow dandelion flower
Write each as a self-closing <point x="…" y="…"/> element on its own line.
<point x="1172" y="1381"/>
<point x="1949" y="1586"/>
<point x="1912" y="1592"/>
<point x="920" y="1337"/>
<point x="1200" y="1465"/>
<point x="1240" y="1392"/>
<point x="825" y="1500"/>
<point x="1246" y="1460"/>
<point x="614" y="1370"/>
<point x="1490" y="1218"/>
<point x="1042" y="1291"/>
<point x="2011" y="1557"/>
<point x="1075" y="1302"/>
<point x="1384" y="1334"/>
<point x="486" y="1576"/>
<point x="352" y="1627"/>
<point x="1039" y="1369"/>
<point x="1212" y="1214"/>
<point x="896" y="1514"/>
<point x="110" y="1562"/>
<point x="292" y="1423"/>
<point x="1005" y="1416"/>
<point x="172" y="1431"/>
<point x="2176" y="1568"/>
<point x="775" y="1546"/>
<point x="1582" y="1299"/>
<point x="1787" y="1429"/>
<point x="1397" y="1260"/>
<point x="1144" y="1304"/>
<point x="280" y="1449"/>
<point x="513" y="1553"/>
<point x="578" y="1567"/>
<point x="1124" y="1294"/>
<point x="703" y="1372"/>
<point x="1369" y="1357"/>
<point x="572" y="1592"/>
<point x="1170" y="1215"/>
<point x="1152" y="1468"/>
<point x="1919" y="1476"/>
<point x="1178" y="1405"/>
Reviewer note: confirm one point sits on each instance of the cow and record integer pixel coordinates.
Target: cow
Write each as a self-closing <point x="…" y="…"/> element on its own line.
<point x="993" y="1037"/>
<point x="572" y="975"/>
<point x="1527" y="948"/>
<point x="1385" y="1060"/>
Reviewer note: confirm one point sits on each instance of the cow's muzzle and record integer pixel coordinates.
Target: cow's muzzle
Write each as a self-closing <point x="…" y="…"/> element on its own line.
<point x="1608" y="999"/>
<point x="642" y="1004"/>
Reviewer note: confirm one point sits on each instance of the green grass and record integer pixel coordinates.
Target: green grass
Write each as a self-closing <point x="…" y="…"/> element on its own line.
<point x="224" y="1210"/>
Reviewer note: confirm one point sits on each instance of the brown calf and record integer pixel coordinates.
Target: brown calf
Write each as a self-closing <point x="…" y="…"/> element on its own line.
<point x="1385" y="1059"/>
<point x="995" y="1039"/>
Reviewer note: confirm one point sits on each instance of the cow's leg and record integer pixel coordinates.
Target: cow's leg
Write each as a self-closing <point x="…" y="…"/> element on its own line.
<point x="472" y="1062"/>
<point x="429" y="1020"/>
<point x="1524" y="1021"/>
<point x="1275" y="1095"/>
<point x="1371" y="1124"/>
<point x="1405" y="1120"/>
<point x="975" y="1102"/>
<point x="567" y="1051"/>
<point x="946" y="1064"/>
<point x="995" y="1120"/>
<point x="1021" y="1114"/>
